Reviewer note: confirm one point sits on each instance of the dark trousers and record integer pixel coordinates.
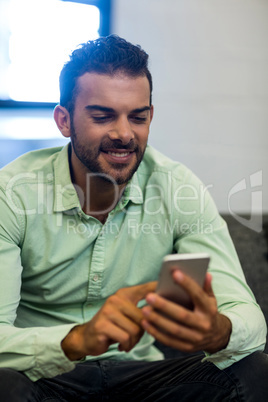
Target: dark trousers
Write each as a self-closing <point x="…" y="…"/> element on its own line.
<point x="181" y="379"/>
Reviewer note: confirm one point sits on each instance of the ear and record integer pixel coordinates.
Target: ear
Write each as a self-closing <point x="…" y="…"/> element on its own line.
<point x="63" y="120"/>
<point x="151" y="113"/>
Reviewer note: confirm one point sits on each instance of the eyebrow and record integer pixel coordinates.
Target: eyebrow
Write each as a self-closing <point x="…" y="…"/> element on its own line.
<point x="111" y="110"/>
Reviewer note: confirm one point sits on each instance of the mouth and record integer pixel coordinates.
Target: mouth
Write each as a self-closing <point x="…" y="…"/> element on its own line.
<point x="118" y="156"/>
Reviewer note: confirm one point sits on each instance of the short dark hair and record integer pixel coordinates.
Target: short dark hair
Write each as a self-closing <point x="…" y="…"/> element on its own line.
<point x="105" y="55"/>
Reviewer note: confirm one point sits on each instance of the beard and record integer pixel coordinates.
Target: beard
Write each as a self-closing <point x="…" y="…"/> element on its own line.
<point x="118" y="172"/>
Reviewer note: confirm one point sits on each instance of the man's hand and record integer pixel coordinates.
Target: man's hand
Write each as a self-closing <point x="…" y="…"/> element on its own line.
<point x="118" y="320"/>
<point x="204" y="328"/>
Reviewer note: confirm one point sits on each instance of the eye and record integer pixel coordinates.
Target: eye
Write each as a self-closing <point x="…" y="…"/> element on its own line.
<point x="138" y="119"/>
<point x="101" y="119"/>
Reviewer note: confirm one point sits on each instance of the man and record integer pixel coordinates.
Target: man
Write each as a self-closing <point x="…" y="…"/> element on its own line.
<point x="83" y="233"/>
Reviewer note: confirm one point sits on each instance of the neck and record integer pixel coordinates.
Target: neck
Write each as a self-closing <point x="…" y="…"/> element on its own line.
<point x="100" y="196"/>
<point x="96" y="195"/>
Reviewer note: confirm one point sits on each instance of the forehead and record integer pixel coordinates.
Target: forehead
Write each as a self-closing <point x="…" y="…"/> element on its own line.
<point x="113" y="90"/>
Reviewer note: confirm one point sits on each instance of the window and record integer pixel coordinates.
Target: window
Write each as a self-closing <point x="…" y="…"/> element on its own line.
<point x="36" y="38"/>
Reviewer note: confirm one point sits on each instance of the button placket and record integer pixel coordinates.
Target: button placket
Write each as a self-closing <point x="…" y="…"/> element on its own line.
<point x="96" y="267"/>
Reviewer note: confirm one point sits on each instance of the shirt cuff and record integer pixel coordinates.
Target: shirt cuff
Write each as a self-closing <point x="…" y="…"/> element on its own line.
<point x="226" y="357"/>
<point x="50" y="358"/>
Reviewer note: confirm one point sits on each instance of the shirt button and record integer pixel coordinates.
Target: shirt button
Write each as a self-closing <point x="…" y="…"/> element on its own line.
<point x="95" y="278"/>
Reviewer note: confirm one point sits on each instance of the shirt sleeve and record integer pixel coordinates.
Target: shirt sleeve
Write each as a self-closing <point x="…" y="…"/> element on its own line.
<point x="35" y="351"/>
<point x="203" y="230"/>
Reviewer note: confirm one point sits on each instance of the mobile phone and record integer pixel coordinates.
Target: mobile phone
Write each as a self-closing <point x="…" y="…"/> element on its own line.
<point x="195" y="265"/>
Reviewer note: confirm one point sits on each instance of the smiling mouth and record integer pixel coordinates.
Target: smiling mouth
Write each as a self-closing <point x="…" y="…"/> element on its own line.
<point x="118" y="154"/>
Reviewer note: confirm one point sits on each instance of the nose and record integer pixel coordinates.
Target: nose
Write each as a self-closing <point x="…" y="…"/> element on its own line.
<point x="122" y="131"/>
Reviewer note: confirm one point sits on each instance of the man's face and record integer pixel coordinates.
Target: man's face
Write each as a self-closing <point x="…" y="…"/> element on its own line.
<point x="110" y="124"/>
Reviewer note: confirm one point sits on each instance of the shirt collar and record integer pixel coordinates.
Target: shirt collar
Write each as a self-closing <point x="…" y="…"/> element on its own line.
<point x="133" y="191"/>
<point x="65" y="194"/>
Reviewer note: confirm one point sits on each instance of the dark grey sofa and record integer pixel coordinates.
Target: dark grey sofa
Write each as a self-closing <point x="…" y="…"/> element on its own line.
<point x="252" y="249"/>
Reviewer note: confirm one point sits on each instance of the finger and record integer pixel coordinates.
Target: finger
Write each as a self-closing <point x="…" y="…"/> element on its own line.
<point x="130" y="327"/>
<point x="138" y="292"/>
<point x="117" y="334"/>
<point x="101" y="334"/>
<point x="141" y="291"/>
<point x="119" y="304"/>
<point x="118" y="327"/>
<point x="176" y="312"/>
<point x="196" y="293"/>
<point x="168" y="340"/>
<point x="208" y="285"/>
<point x="171" y="327"/>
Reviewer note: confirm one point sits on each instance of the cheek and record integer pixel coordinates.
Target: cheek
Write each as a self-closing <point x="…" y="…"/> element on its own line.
<point x="143" y="135"/>
<point x="86" y="132"/>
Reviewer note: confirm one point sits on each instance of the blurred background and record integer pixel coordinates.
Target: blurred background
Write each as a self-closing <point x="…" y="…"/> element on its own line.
<point x="209" y="61"/>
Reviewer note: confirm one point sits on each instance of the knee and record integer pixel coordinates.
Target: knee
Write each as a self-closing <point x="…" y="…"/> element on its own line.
<point x="255" y="365"/>
<point x="260" y="359"/>
<point x="251" y="374"/>
<point x="15" y="386"/>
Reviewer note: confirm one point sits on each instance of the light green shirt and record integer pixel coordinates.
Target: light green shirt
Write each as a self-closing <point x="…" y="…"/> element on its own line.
<point x="58" y="265"/>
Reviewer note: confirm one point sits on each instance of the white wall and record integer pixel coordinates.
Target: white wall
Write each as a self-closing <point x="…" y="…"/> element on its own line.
<point x="209" y="60"/>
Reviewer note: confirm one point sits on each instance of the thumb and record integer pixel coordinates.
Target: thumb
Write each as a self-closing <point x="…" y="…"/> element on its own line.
<point x="208" y="285"/>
